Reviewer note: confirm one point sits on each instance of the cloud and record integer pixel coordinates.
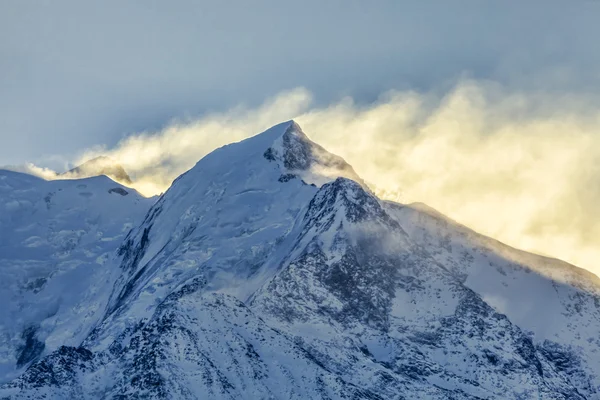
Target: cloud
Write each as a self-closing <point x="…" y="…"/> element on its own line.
<point x="32" y="169"/>
<point x="155" y="159"/>
<point x="76" y="73"/>
<point x="522" y="167"/>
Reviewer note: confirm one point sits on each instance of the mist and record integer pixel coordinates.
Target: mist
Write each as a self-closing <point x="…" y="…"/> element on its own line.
<point x="522" y="167"/>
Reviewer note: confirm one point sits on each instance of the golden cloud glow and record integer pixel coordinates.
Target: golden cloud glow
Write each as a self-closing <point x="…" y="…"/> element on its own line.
<point x="523" y="168"/>
<point x="490" y="160"/>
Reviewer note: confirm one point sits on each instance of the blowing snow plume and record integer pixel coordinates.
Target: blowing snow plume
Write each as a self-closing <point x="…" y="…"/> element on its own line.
<point x="521" y="167"/>
<point x="100" y="165"/>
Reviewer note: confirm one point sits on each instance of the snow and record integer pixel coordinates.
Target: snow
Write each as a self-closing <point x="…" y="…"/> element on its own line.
<point x="550" y="299"/>
<point x="51" y="261"/>
<point x="270" y="270"/>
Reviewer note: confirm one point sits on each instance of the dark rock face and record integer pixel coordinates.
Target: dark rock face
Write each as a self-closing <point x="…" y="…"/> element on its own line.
<point x="367" y="297"/>
<point x="297" y="153"/>
<point x="56" y="375"/>
<point x="131" y="252"/>
<point x="269" y="154"/>
<point x="286" y="177"/>
<point x="118" y="190"/>
<point x="300" y="153"/>
<point x="32" y="347"/>
<point x="352" y="198"/>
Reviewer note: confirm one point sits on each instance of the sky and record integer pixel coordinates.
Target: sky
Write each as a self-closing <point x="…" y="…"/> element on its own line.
<point x="486" y="110"/>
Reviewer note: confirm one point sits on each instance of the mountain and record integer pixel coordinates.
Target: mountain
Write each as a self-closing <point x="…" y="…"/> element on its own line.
<point x="56" y="239"/>
<point x="270" y="270"/>
<point x="101" y="165"/>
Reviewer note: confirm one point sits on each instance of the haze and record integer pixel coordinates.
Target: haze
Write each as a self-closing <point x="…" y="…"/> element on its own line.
<point x="487" y="111"/>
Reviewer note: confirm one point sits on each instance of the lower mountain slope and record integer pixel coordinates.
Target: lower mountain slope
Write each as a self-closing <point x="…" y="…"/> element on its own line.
<point x="356" y="287"/>
<point x="556" y="303"/>
<point x="56" y="239"/>
<point x="269" y="270"/>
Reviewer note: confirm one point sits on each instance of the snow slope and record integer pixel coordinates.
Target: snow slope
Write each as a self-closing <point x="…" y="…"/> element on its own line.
<point x="557" y="303"/>
<point x="270" y="270"/>
<point x="56" y="237"/>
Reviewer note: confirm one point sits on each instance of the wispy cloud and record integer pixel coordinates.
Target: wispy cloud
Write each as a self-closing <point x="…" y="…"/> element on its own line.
<point x="521" y="167"/>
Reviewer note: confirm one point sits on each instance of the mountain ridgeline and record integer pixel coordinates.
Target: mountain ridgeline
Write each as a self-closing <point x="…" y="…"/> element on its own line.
<point x="271" y="271"/>
<point x="101" y="165"/>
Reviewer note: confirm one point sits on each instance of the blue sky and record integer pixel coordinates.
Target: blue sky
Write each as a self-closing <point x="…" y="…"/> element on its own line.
<point x="486" y="110"/>
<point x="75" y="74"/>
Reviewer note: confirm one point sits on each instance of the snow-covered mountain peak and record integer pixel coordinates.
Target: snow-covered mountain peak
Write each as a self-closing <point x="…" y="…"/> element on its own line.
<point x="345" y="202"/>
<point x="101" y="165"/>
<point x="56" y="240"/>
<point x="261" y="164"/>
<point x="270" y="271"/>
<point x="298" y="155"/>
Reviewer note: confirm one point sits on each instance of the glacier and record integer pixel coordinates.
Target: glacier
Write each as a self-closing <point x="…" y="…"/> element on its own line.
<point x="270" y="270"/>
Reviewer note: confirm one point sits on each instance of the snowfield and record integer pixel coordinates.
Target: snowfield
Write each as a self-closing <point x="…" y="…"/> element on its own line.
<point x="271" y="271"/>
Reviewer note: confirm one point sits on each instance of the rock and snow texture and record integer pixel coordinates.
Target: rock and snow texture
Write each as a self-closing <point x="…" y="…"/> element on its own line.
<point x="270" y="271"/>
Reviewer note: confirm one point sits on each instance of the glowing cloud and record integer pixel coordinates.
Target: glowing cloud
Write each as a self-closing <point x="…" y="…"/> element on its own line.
<point x="155" y="159"/>
<point x="521" y="167"/>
